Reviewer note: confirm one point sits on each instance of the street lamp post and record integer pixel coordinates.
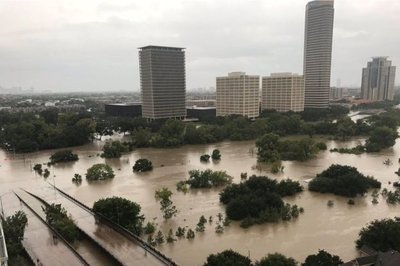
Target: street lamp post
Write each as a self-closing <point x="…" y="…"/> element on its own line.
<point x="1" y="203"/>
<point x="2" y="209"/>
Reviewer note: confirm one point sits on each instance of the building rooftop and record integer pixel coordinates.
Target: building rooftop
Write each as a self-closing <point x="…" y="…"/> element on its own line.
<point x="201" y="108"/>
<point x="125" y="104"/>
<point x="318" y="3"/>
<point x="284" y="74"/>
<point x="389" y="258"/>
<point x="161" y="47"/>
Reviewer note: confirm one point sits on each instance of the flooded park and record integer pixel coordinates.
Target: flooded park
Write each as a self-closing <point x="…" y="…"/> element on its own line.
<point x="334" y="228"/>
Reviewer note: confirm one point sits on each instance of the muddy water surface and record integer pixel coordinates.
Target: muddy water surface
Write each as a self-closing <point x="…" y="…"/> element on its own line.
<point x="334" y="229"/>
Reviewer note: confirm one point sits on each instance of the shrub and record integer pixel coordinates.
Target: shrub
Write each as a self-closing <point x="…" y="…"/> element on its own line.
<point x="99" y="172"/>
<point x="143" y="165"/>
<point x="216" y="155"/>
<point x="114" y="149"/>
<point x="259" y="200"/>
<point x="342" y="180"/>
<point x="206" y="179"/>
<point x="381" y="235"/>
<point x="63" y="156"/>
<point x="205" y="158"/>
<point x="123" y="212"/>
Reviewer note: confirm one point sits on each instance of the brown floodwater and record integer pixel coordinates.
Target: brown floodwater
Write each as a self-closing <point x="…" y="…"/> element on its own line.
<point x="321" y="227"/>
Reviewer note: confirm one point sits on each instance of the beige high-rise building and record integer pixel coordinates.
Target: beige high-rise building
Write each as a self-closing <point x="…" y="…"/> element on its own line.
<point x="238" y="94"/>
<point x="283" y="92"/>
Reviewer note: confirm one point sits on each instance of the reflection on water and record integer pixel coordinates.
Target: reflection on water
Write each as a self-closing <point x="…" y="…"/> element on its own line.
<point x="334" y="229"/>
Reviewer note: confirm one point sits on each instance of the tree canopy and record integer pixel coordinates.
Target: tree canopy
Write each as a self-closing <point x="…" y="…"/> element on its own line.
<point x="14" y="229"/>
<point x="233" y="258"/>
<point x="99" y="171"/>
<point x="166" y="205"/>
<point x="343" y="180"/>
<point x="259" y="200"/>
<point x="57" y="217"/>
<point x="143" y="165"/>
<point x="207" y="178"/>
<point x="227" y="258"/>
<point x="276" y="259"/>
<point x="121" y="211"/>
<point x="381" y="138"/>
<point x="322" y="258"/>
<point x="381" y="235"/>
<point x="114" y="149"/>
<point x="27" y="133"/>
<point x="271" y="149"/>
<point x="63" y="156"/>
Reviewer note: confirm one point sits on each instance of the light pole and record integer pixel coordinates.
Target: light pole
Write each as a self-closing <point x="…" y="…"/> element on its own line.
<point x="1" y="203"/>
<point x="2" y="209"/>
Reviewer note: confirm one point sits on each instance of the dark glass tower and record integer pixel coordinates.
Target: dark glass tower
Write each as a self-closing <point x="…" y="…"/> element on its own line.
<point x="162" y="82"/>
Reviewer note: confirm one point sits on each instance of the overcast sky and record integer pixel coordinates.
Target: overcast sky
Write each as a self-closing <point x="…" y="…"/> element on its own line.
<point x="90" y="45"/>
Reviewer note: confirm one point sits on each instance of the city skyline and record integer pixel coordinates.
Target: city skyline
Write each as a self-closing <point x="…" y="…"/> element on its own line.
<point x="92" y="46"/>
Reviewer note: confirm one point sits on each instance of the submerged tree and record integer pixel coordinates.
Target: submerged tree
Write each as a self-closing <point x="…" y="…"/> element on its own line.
<point x="227" y="257"/>
<point x="14" y="229"/>
<point x="166" y="205"/>
<point x="99" y="171"/>
<point x="143" y="165"/>
<point x="123" y="212"/>
<point x="322" y="258"/>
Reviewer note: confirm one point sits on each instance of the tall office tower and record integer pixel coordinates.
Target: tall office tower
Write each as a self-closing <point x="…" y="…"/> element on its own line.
<point x="162" y="82"/>
<point x="378" y="80"/>
<point x="283" y="92"/>
<point x="318" y="53"/>
<point x="238" y="94"/>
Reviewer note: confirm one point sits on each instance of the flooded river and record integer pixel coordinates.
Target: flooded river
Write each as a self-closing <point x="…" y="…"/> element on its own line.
<point x="321" y="227"/>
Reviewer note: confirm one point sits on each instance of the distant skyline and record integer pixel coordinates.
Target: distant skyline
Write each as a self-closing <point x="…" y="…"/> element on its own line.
<point x="92" y="45"/>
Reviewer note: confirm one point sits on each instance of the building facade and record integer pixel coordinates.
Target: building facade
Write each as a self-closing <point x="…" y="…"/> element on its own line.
<point x="162" y="82"/>
<point x="123" y="109"/>
<point x="378" y="80"/>
<point x="283" y="92"/>
<point x="318" y="52"/>
<point x="238" y="94"/>
<point x="201" y="113"/>
<point x="336" y="93"/>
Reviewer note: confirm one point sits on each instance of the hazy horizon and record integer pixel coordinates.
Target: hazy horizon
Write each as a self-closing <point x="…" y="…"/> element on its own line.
<point x="92" y="46"/>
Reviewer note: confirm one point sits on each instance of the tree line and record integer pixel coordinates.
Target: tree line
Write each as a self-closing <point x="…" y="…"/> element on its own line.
<point x="50" y="129"/>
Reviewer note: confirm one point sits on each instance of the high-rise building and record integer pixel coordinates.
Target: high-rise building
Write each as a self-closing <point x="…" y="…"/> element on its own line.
<point x="162" y="82"/>
<point x="238" y="94"/>
<point x="318" y="53"/>
<point x="336" y="93"/>
<point x="378" y="80"/>
<point x="283" y="92"/>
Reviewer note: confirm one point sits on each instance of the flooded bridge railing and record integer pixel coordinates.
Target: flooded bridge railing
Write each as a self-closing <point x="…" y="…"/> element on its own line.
<point x="80" y="258"/>
<point x="82" y="231"/>
<point x="157" y="254"/>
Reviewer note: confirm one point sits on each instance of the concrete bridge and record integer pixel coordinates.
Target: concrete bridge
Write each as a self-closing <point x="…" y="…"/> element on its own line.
<point x="125" y="247"/>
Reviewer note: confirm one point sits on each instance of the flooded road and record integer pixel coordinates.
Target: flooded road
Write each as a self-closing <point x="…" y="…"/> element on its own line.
<point x="334" y="229"/>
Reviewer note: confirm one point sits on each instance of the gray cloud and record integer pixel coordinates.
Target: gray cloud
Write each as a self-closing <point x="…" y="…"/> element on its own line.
<point x="92" y="45"/>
